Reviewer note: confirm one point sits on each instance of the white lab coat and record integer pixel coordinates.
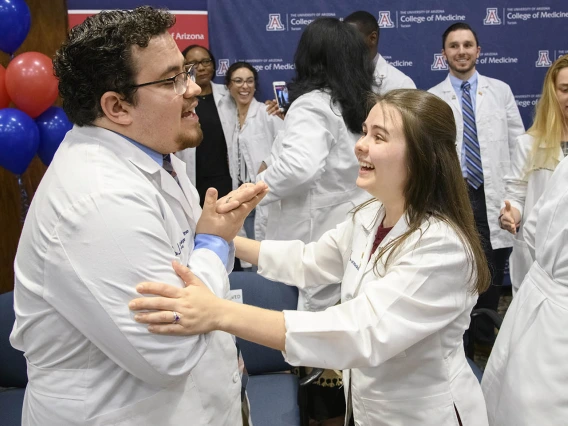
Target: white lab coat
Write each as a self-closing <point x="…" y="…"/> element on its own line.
<point x="524" y="382"/>
<point x="498" y="126"/>
<point x="227" y="110"/>
<point x="523" y="189"/>
<point x="397" y="335"/>
<point x="254" y="140"/>
<point x="105" y="218"/>
<point x="389" y="78"/>
<point x="311" y="178"/>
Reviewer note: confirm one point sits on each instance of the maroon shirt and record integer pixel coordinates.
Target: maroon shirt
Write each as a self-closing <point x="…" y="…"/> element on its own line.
<point x="379" y="236"/>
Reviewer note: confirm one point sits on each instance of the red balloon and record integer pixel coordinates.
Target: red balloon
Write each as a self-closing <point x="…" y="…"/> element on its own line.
<point x="4" y="98"/>
<point x="30" y="82"/>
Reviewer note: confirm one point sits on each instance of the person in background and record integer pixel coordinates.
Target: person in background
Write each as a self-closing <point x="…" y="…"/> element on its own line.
<point x="252" y="138"/>
<point x="312" y="170"/>
<point x="208" y="164"/>
<point x="488" y="123"/>
<point x="115" y="205"/>
<point x="537" y="154"/>
<point x="524" y="382"/>
<point x="386" y="76"/>
<point x="408" y="264"/>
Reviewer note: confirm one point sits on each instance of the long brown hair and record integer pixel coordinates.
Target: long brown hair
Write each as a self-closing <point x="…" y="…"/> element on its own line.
<point x="435" y="186"/>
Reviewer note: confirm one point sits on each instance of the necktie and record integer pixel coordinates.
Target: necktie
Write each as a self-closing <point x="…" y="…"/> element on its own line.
<point x="169" y="168"/>
<point x="472" y="152"/>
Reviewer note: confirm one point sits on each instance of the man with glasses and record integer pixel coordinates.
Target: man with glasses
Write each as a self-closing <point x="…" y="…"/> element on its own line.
<point x="115" y="208"/>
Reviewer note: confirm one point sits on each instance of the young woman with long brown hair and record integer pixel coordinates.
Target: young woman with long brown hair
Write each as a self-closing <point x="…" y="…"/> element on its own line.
<point x="408" y="264"/>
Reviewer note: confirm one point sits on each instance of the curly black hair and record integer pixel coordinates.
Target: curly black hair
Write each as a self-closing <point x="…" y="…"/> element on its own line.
<point x="97" y="58"/>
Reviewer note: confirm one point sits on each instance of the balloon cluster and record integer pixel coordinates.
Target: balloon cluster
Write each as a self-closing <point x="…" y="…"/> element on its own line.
<point x="34" y="126"/>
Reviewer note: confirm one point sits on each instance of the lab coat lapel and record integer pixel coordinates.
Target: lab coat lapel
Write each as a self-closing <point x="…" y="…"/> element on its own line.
<point x="169" y="185"/>
<point x="482" y="87"/>
<point x="450" y="94"/>
<point x="188" y="193"/>
<point x="398" y="229"/>
<point x="370" y="222"/>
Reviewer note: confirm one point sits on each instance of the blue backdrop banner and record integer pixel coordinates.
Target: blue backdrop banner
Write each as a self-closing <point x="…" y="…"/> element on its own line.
<point x="519" y="39"/>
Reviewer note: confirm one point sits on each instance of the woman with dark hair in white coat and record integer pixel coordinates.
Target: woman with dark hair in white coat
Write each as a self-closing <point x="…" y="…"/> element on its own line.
<point x="252" y="137"/>
<point x="312" y="171"/>
<point x="408" y="265"/>
<point x="537" y="154"/>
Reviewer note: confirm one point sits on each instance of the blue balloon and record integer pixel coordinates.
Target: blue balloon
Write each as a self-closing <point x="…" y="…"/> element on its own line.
<point x="19" y="139"/>
<point x="53" y="124"/>
<point x="15" y="22"/>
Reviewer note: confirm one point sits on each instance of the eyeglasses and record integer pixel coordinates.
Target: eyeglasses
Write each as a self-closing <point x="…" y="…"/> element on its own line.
<point x="206" y="63"/>
<point x="179" y="80"/>
<point x="239" y="81"/>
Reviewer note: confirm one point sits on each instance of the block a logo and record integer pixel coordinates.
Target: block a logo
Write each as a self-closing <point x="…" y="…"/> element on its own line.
<point x="275" y="23"/>
<point x="385" y="20"/>
<point x="439" y="63"/>
<point x="543" y="59"/>
<point x="222" y="67"/>
<point x="492" y="17"/>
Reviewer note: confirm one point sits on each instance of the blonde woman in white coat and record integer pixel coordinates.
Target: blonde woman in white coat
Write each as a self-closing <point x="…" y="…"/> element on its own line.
<point x="397" y="334"/>
<point x="537" y="154"/>
<point x="524" y="382"/>
<point x="252" y="137"/>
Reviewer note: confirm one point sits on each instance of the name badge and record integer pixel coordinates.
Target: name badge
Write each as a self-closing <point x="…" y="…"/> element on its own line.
<point x="235" y="296"/>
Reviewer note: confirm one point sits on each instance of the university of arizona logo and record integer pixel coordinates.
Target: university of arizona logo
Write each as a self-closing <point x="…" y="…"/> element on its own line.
<point x="275" y="23"/>
<point x="439" y="63"/>
<point x="222" y="67"/>
<point x="385" y="20"/>
<point x="543" y="59"/>
<point x="492" y="17"/>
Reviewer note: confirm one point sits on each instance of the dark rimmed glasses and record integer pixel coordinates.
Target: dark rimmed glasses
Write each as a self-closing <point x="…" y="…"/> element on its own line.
<point x="179" y="81"/>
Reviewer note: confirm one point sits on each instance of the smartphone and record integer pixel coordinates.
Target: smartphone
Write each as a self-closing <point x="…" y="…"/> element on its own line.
<point x="281" y="94"/>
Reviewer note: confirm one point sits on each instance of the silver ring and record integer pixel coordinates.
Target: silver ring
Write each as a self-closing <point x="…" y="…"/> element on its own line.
<point x="228" y="199"/>
<point x="176" y="317"/>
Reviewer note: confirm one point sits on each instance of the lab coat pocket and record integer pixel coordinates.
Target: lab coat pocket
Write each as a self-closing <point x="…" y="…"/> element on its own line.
<point x="433" y="410"/>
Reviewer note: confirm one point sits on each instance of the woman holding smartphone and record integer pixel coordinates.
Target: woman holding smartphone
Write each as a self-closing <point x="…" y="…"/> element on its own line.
<point x="312" y="170"/>
<point x="252" y="137"/>
<point x="408" y="265"/>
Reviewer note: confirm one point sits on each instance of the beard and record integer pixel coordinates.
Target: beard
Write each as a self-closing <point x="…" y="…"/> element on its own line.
<point x="191" y="139"/>
<point x="457" y="70"/>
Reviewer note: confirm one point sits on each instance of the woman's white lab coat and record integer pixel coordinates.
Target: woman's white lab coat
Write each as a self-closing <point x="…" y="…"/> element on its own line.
<point x="397" y="335"/>
<point x="105" y="218"/>
<point x="254" y="141"/>
<point x="524" y="382"/>
<point x="523" y="188"/>
<point x="311" y="178"/>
